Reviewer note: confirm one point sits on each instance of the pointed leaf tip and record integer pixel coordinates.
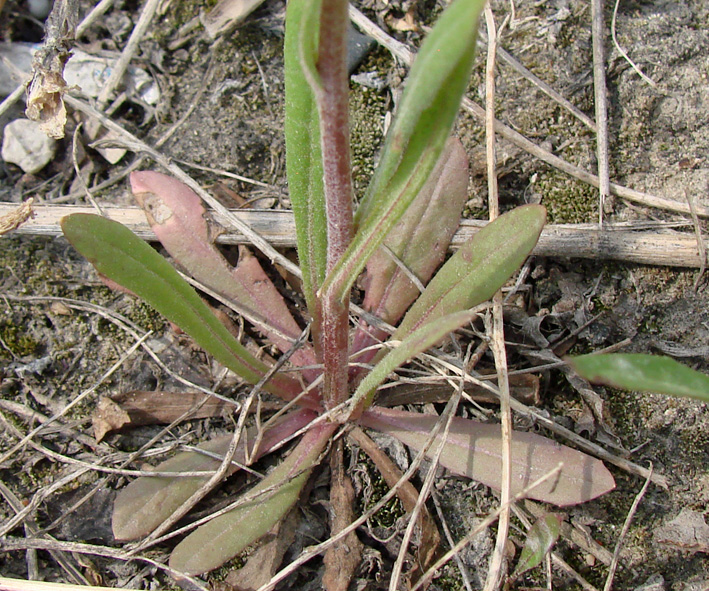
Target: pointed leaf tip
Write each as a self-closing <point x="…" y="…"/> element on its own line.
<point x="541" y="538"/>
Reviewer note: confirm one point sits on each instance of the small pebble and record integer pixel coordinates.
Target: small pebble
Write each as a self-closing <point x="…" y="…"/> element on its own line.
<point x="26" y="146"/>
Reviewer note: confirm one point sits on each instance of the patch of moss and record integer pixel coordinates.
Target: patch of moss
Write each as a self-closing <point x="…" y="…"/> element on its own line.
<point x="146" y="317"/>
<point x="567" y="201"/>
<point x="19" y="342"/>
<point x="367" y="110"/>
<point x="450" y="580"/>
<point x="180" y="13"/>
<point x="388" y="515"/>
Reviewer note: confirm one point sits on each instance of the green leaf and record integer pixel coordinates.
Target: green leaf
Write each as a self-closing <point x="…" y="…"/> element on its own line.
<point x="215" y="542"/>
<point x="121" y="256"/>
<point x="146" y="502"/>
<point x="417" y="342"/>
<point x="428" y="108"/>
<point x="645" y="373"/>
<point x="303" y="152"/>
<point x="474" y="450"/>
<point x="541" y="537"/>
<point x="479" y="268"/>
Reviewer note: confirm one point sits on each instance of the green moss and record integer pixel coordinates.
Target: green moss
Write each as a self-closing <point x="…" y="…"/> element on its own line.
<point x="367" y="110"/>
<point x="180" y="13"/>
<point x="567" y="201"/>
<point x="146" y="317"/>
<point x="450" y="580"/>
<point x="388" y="515"/>
<point x="15" y="339"/>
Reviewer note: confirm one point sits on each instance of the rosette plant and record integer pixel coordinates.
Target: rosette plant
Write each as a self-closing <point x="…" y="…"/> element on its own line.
<point x="392" y="239"/>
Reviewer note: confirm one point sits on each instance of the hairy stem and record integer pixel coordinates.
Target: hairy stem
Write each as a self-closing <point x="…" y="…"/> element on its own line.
<point x="334" y="132"/>
<point x="334" y="127"/>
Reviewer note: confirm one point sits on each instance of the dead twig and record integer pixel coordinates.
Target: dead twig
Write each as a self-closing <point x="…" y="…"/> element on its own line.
<point x="484" y="524"/>
<point x="133" y="143"/>
<point x="601" y="105"/>
<point x="517" y="66"/>
<point x="76" y="400"/>
<point x="622" y="51"/>
<point x="653" y="244"/>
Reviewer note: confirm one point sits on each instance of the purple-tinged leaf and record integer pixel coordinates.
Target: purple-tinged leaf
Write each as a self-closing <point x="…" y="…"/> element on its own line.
<point x="419" y="241"/>
<point x="474" y="450"/>
<point x="479" y="268"/>
<point x="222" y="538"/>
<point x="645" y="373"/>
<point x="146" y="502"/>
<point x="124" y="258"/>
<point x="177" y="216"/>
<point x="541" y="538"/>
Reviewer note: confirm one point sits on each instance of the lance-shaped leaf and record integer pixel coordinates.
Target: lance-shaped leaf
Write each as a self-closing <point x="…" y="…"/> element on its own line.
<point x="419" y="242"/>
<point x="303" y="153"/>
<point x="177" y="216"/>
<point x="479" y="268"/>
<point x="124" y="258"/>
<point x="215" y="542"/>
<point x="417" y="342"/>
<point x="146" y="502"/>
<point x="429" y="105"/>
<point x="541" y="537"/>
<point x="646" y="373"/>
<point x="474" y="450"/>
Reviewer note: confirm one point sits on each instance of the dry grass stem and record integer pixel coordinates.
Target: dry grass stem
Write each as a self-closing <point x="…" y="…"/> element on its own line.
<point x="622" y="51"/>
<point x="447" y="416"/>
<point x="318" y="549"/>
<point x="497" y="332"/>
<point x="12" y="543"/>
<point x="517" y="66"/>
<point x="624" y="532"/>
<point x="462" y="568"/>
<point x="601" y="104"/>
<point x="65" y="561"/>
<point x="133" y="143"/>
<point x="80" y="398"/>
<point x="484" y="524"/>
<point x="581" y="442"/>
<point x="220" y="473"/>
<point x="644" y="243"/>
<point x="121" y="66"/>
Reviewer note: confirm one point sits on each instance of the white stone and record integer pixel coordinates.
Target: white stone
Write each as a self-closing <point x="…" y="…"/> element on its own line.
<point x="26" y="146"/>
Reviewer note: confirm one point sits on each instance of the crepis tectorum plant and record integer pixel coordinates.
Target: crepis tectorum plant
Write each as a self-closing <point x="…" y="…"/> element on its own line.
<point x="404" y="221"/>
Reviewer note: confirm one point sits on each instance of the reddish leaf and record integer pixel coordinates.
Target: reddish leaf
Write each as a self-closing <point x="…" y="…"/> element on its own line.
<point x="177" y="217"/>
<point x="475" y="450"/>
<point x="419" y="240"/>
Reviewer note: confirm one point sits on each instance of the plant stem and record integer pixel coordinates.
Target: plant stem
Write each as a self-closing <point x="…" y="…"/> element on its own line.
<point x="334" y="133"/>
<point x="334" y="127"/>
